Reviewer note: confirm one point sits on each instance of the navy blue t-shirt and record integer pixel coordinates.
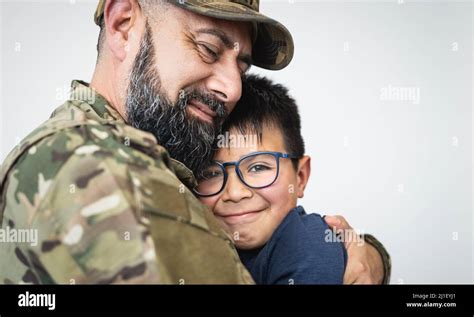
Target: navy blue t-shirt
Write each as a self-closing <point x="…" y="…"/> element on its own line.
<point x="297" y="253"/>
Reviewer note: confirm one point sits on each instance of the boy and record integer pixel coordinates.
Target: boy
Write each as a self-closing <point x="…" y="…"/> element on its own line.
<point x="252" y="187"/>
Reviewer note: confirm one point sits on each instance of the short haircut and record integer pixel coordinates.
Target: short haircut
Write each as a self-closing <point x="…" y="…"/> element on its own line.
<point x="264" y="102"/>
<point x="101" y="38"/>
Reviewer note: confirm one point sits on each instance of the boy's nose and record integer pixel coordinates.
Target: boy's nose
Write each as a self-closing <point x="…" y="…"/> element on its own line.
<point x="235" y="190"/>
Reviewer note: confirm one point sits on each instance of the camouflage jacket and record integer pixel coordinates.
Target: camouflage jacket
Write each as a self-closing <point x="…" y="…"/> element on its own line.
<point x="107" y="205"/>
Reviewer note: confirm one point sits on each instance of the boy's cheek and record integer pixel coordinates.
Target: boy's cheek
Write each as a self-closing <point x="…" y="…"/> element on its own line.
<point x="281" y="199"/>
<point x="279" y="192"/>
<point x="209" y="201"/>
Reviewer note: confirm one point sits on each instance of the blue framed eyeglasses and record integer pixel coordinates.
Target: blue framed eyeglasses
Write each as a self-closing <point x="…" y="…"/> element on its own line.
<point x="255" y="170"/>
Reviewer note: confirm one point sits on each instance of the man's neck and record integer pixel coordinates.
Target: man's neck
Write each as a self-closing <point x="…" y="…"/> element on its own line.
<point x="105" y="86"/>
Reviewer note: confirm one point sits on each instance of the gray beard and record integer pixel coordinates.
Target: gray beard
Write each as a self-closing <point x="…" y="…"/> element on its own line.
<point x="186" y="138"/>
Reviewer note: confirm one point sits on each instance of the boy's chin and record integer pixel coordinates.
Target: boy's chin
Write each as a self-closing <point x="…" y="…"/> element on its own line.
<point x="244" y="237"/>
<point x="248" y="243"/>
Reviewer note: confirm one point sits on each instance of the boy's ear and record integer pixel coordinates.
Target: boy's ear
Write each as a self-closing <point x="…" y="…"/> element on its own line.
<point x="302" y="175"/>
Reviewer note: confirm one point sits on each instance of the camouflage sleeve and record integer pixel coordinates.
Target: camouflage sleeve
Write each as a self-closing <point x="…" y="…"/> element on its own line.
<point x="92" y="234"/>
<point x="387" y="262"/>
<point x="84" y="214"/>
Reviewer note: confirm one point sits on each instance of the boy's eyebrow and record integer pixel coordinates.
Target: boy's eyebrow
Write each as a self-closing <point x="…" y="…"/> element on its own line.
<point x="227" y="41"/>
<point x="243" y="155"/>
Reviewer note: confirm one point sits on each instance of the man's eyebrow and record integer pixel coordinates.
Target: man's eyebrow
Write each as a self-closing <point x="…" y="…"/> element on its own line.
<point x="219" y="34"/>
<point x="246" y="58"/>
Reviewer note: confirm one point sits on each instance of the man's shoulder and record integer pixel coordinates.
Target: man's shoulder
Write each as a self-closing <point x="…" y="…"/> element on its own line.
<point x="49" y="146"/>
<point x="60" y="132"/>
<point x="71" y="131"/>
<point x="71" y="143"/>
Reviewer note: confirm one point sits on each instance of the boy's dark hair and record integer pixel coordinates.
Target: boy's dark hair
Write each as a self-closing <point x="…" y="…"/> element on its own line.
<point x="264" y="102"/>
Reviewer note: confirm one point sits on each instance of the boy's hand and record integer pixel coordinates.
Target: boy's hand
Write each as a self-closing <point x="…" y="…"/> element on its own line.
<point x="364" y="263"/>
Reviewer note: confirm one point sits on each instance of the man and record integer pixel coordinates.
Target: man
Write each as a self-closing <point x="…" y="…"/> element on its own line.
<point x="105" y="182"/>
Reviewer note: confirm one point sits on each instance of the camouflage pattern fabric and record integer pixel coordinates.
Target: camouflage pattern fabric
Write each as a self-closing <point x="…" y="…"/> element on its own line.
<point x="108" y="205"/>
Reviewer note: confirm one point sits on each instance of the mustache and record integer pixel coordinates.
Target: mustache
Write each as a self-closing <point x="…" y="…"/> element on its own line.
<point x="206" y="98"/>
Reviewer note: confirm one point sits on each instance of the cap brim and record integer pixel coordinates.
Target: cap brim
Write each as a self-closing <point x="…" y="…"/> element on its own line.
<point x="273" y="48"/>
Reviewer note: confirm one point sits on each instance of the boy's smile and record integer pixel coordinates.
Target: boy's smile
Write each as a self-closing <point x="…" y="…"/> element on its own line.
<point x="251" y="215"/>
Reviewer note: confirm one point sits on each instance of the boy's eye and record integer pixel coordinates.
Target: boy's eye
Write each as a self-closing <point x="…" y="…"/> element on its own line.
<point x="209" y="174"/>
<point x="258" y="168"/>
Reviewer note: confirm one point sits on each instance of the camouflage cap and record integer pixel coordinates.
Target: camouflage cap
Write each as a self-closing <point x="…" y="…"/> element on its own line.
<point x="273" y="46"/>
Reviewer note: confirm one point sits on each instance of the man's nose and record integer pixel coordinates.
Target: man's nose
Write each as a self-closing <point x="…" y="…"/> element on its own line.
<point x="226" y="83"/>
<point x="235" y="190"/>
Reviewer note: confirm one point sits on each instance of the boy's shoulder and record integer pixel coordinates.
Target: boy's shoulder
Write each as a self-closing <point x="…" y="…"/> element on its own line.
<point x="300" y="246"/>
<point x="298" y="224"/>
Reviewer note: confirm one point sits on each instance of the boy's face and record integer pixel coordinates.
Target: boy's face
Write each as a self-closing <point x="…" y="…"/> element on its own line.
<point x="252" y="215"/>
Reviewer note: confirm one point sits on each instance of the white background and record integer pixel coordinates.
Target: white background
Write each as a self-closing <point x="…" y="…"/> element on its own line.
<point x="399" y="170"/>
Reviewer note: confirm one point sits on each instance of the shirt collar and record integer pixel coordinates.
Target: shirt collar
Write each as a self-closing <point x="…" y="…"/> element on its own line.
<point x="102" y="111"/>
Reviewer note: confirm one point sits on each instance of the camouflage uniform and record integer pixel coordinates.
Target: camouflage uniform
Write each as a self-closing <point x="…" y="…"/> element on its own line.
<point x="109" y="206"/>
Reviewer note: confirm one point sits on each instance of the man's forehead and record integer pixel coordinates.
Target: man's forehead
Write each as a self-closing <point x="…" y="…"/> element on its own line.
<point x="234" y="31"/>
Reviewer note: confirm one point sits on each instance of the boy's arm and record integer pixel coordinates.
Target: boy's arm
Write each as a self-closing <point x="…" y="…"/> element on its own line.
<point x="368" y="263"/>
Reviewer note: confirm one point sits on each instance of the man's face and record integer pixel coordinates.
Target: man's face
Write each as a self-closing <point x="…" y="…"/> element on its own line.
<point x="185" y="79"/>
<point x="203" y="53"/>
<point x="250" y="215"/>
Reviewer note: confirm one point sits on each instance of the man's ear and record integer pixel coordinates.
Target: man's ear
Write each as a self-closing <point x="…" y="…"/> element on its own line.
<point x="302" y="174"/>
<point x="120" y="17"/>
